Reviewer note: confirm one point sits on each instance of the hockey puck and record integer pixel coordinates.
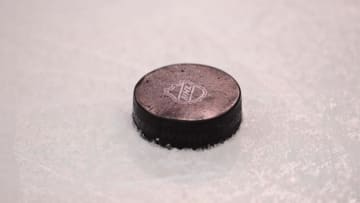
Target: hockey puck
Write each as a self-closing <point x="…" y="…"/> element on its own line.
<point x="187" y="106"/>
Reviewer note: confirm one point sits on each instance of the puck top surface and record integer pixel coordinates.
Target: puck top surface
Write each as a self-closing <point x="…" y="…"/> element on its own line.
<point x="187" y="92"/>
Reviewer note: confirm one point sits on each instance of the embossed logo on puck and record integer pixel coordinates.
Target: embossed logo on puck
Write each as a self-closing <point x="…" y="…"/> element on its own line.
<point x="185" y="92"/>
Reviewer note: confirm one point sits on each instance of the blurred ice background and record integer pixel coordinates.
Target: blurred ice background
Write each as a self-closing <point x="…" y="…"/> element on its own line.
<point x="68" y="68"/>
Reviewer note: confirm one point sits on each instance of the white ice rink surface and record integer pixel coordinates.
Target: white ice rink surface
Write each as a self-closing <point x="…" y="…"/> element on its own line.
<point x="68" y="68"/>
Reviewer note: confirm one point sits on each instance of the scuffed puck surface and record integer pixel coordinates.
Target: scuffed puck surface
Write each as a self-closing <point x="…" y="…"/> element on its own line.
<point x="187" y="106"/>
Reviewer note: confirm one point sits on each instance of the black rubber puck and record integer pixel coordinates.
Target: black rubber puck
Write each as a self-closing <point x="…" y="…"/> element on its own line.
<point x="187" y="106"/>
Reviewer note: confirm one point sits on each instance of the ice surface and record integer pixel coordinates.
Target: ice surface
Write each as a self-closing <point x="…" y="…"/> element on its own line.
<point x="75" y="64"/>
